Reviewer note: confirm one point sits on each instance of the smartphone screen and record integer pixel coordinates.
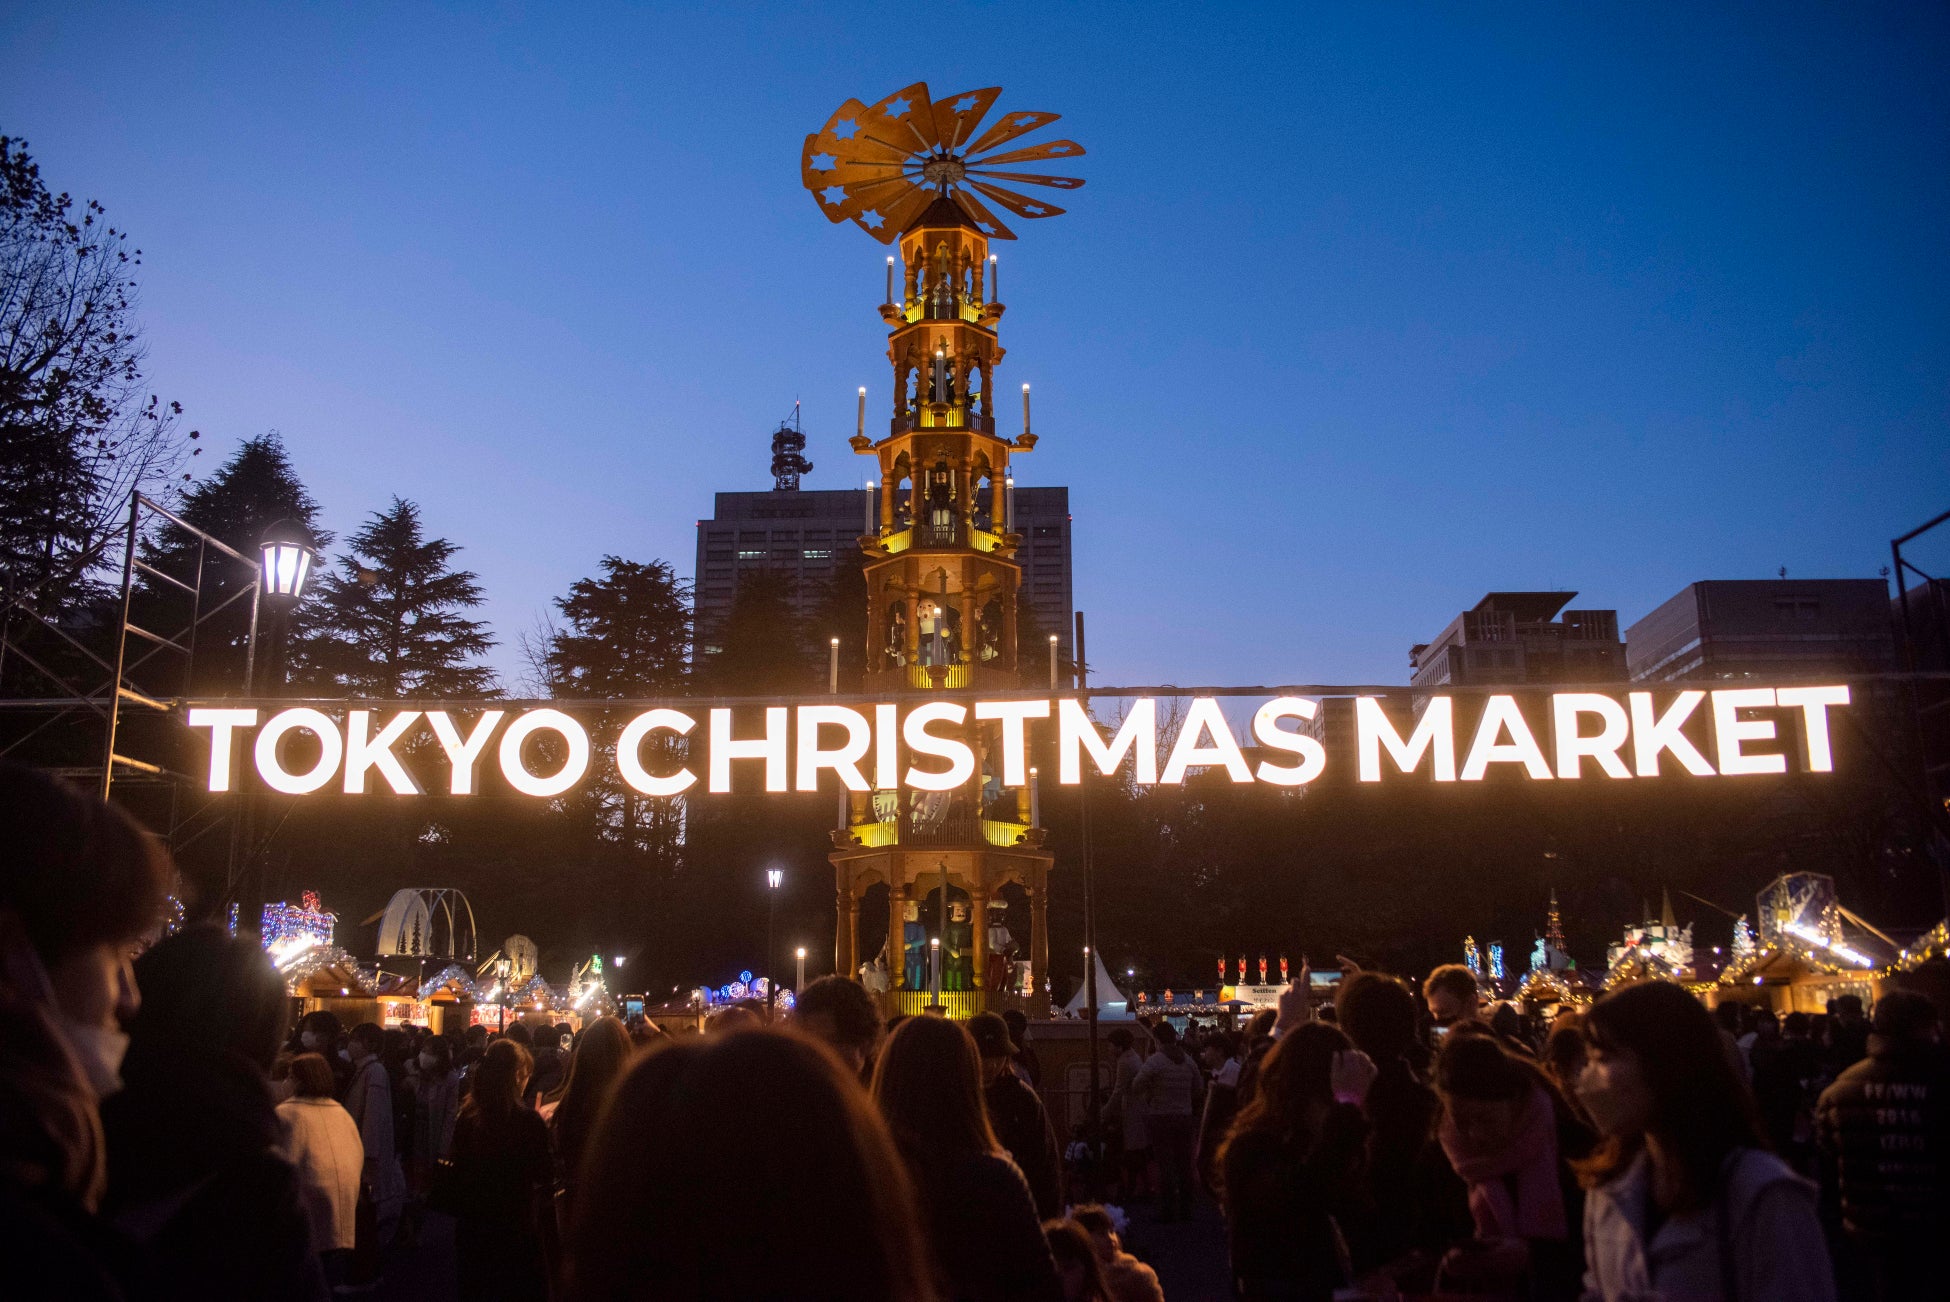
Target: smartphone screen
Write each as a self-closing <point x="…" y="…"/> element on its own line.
<point x="1321" y="979"/>
<point x="1438" y="1031"/>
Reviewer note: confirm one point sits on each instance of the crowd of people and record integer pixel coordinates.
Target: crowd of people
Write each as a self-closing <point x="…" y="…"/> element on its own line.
<point x="166" y="1133"/>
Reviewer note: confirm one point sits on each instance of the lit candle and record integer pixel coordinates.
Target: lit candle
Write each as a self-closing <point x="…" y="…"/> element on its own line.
<point x="890" y="278"/>
<point x="866" y="500"/>
<point x="860" y="425"/>
<point x="1025" y="409"/>
<point x="1035" y="800"/>
<point x="995" y="280"/>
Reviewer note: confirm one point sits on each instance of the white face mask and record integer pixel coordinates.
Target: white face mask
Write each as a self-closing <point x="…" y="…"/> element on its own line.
<point x="310" y="1040"/>
<point x="427" y="1062"/>
<point x="283" y="1089"/>
<point x="345" y="1055"/>
<point x="100" y="1052"/>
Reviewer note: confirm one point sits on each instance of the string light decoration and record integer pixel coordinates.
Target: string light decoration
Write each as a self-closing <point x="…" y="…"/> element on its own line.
<point x="291" y="929"/>
<point x="1932" y="944"/>
<point x="1472" y="957"/>
<point x="1496" y="960"/>
<point x="1743" y="942"/>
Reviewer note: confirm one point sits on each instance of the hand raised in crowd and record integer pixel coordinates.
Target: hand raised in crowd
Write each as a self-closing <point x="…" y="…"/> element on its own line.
<point x="1296" y="1002"/>
<point x="1351" y="1075"/>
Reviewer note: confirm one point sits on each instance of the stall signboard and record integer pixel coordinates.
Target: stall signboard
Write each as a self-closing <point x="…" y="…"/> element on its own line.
<point x="546" y="751"/>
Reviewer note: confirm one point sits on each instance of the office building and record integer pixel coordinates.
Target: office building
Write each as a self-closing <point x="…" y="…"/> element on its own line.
<point x="1517" y="638"/>
<point x="1764" y="630"/>
<point x="808" y="534"/>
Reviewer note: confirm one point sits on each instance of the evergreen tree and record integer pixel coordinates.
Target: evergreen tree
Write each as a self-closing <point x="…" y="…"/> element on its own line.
<point x="390" y="620"/>
<point x="629" y="633"/>
<point x="841" y="612"/>
<point x="255" y="489"/>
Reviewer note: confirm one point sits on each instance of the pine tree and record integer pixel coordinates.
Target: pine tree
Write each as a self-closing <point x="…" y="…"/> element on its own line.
<point x="390" y="621"/>
<point x="255" y="489"/>
<point x="629" y="633"/>
<point x="762" y="649"/>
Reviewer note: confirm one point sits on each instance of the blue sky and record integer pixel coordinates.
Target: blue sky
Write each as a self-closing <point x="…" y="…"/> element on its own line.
<point x="1365" y="310"/>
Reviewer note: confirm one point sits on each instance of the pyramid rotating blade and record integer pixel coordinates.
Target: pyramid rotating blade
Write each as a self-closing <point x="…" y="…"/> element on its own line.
<point x="1033" y="154"/>
<point x="1029" y="178"/>
<point x="1008" y="127"/>
<point x="1019" y="204"/>
<point x="957" y="116"/>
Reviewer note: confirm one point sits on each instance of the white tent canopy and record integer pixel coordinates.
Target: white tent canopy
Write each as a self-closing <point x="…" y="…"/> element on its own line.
<point x="1113" y="1005"/>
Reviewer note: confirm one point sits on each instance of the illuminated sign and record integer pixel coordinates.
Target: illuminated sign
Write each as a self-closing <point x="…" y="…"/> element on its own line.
<point x="546" y="752"/>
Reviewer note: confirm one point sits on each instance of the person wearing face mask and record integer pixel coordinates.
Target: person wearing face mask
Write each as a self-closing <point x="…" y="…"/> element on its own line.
<point x="369" y="1098"/>
<point x="196" y="1171"/>
<point x="80" y="883"/>
<point x="320" y="1032"/>
<point x="1684" y="1199"/>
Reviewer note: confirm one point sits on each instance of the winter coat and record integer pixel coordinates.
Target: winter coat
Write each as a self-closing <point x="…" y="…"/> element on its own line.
<point x="196" y="1176"/>
<point x="1884" y="1132"/>
<point x="1125" y="1109"/>
<point x="369" y="1099"/>
<point x="1759" y="1241"/>
<point x="1170" y="1083"/>
<point x="322" y="1143"/>
<point x="988" y="1243"/>
<point x="1022" y="1126"/>
<point x="1285" y="1201"/>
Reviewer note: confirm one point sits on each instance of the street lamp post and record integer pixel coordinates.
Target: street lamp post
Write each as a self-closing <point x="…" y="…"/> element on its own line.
<point x="286" y="552"/>
<point x="774" y="878"/>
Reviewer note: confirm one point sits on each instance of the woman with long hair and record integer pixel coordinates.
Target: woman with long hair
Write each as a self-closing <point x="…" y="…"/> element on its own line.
<point x="747" y="1165"/>
<point x="1684" y="1198"/>
<point x="1293" y="1167"/>
<point x="1512" y="1139"/>
<point x="980" y="1216"/>
<point x="600" y="1058"/>
<point x="500" y="1169"/>
<point x="1077" y="1266"/>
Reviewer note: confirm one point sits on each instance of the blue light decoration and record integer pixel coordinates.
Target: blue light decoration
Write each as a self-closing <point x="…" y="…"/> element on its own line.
<point x="291" y="929"/>
<point x="745" y="977"/>
<point x="1472" y="957"/>
<point x="1496" y="960"/>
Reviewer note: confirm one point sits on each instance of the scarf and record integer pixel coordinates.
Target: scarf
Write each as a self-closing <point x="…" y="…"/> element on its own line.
<point x="1528" y="1165"/>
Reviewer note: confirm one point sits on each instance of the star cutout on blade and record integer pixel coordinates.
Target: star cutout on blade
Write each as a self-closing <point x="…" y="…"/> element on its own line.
<point x="872" y="219"/>
<point x="966" y="103"/>
<point x="845" y="128"/>
<point x="833" y="194"/>
<point x="824" y="162"/>
<point x="1025" y="121"/>
<point x="897" y="107"/>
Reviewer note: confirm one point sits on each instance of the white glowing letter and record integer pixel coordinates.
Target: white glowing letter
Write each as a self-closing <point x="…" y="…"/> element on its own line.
<point x="1814" y="703"/>
<point x="1651" y="735"/>
<point x="363" y="753"/>
<point x="770" y="748"/>
<point x="846" y="760"/>
<point x="1205" y="716"/>
<point x="1075" y="732"/>
<point x="1434" y="736"/>
<point x="1014" y="716"/>
<point x="574" y="765"/>
<point x="463" y="753"/>
<point x="1573" y="747"/>
<point x="886" y="748"/>
<point x="1267" y="731"/>
<point x="1500" y="715"/>
<point x="222" y="723"/>
<point x="961" y="760"/>
<point x="629" y="758"/>
<point x="331" y="748"/>
<point x="1729" y="731"/>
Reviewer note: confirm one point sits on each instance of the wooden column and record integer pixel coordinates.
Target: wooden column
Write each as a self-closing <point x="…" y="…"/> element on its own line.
<point x="896" y="937"/>
<point x="1039" y="941"/>
<point x="846" y="932"/>
<point x="978" y="906"/>
<point x="887" y="487"/>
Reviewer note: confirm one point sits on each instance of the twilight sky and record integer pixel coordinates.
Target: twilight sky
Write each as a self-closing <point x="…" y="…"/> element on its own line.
<point x="1365" y="310"/>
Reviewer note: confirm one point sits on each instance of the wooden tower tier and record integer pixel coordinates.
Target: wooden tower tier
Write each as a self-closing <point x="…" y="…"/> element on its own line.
<point x="939" y="557"/>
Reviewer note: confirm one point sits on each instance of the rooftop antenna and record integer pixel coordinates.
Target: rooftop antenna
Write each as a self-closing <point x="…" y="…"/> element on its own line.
<point x="789" y="454"/>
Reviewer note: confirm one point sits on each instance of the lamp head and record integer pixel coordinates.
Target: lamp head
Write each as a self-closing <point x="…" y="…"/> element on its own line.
<point x="774" y="878"/>
<point x="287" y="551"/>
